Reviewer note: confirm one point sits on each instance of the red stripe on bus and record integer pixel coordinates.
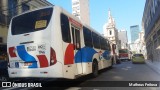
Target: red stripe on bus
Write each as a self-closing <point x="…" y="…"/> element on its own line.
<point x="43" y="61"/>
<point x="69" y="55"/>
<point x="12" y="52"/>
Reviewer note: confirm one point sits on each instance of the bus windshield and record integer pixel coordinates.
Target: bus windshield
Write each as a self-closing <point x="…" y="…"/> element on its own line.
<point x="123" y="51"/>
<point x="32" y="21"/>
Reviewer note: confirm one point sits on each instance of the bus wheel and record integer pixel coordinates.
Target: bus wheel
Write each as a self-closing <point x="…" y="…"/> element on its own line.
<point x="95" y="69"/>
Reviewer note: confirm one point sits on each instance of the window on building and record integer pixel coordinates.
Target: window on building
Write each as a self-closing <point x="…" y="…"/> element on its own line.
<point x="75" y="3"/>
<point x="158" y="32"/>
<point x="1" y="40"/>
<point x="78" y="7"/>
<point x="158" y="2"/>
<point x="155" y="44"/>
<point x="151" y="15"/>
<point x="12" y="7"/>
<point x="65" y="29"/>
<point x="154" y="36"/>
<point x="25" y="7"/>
<point x="74" y="9"/>
<point x="110" y="32"/>
<point x="76" y="15"/>
<point x="0" y="4"/>
<point x="159" y="40"/>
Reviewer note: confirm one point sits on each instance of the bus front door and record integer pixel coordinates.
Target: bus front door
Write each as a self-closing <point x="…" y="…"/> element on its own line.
<point x="77" y="50"/>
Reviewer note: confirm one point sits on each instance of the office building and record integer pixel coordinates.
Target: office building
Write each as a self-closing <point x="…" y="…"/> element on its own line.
<point x="122" y="35"/>
<point x="134" y="33"/>
<point x="80" y="8"/>
<point x="151" y="28"/>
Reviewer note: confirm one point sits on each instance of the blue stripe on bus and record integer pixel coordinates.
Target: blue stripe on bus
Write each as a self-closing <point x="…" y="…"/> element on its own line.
<point x="26" y="57"/>
<point x="106" y="55"/>
<point x="86" y="55"/>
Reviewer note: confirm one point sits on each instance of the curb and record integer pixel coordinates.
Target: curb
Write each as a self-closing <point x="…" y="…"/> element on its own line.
<point x="153" y="66"/>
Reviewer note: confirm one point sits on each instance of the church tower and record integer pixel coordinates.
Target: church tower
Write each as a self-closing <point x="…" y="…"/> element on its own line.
<point x="110" y="30"/>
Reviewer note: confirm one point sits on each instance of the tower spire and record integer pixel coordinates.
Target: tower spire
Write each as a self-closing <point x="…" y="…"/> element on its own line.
<point x="109" y="14"/>
<point x="110" y="18"/>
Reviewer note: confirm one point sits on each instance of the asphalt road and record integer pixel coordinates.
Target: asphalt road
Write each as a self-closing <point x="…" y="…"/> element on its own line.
<point x="119" y="75"/>
<point x="126" y="71"/>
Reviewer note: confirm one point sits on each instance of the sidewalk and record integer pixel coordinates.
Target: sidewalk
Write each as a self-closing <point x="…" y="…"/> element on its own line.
<point x="154" y="65"/>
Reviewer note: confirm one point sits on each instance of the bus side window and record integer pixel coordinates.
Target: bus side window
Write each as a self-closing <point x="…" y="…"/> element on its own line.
<point x="109" y="47"/>
<point x="96" y="41"/>
<point x="65" y="29"/>
<point x="101" y="42"/>
<point x="87" y="37"/>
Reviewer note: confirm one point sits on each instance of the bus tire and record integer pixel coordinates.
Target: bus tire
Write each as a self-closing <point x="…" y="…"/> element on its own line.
<point x="95" y="68"/>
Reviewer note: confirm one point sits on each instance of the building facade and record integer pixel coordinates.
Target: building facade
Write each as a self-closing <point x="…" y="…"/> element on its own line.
<point x="80" y="8"/>
<point x="109" y="29"/>
<point x="139" y="45"/>
<point x="134" y="33"/>
<point x="110" y="32"/>
<point x="151" y="26"/>
<point x="122" y="36"/>
<point x="10" y="8"/>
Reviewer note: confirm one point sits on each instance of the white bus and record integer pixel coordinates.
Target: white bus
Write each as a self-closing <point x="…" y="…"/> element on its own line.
<point x="51" y="43"/>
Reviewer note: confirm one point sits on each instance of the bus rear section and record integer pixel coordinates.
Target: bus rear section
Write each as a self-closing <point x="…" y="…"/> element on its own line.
<point x="124" y="54"/>
<point x="29" y="45"/>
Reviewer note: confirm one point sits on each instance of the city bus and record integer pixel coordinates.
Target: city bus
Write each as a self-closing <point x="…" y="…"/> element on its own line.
<point x="51" y="43"/>
<point x="124" y="54"/>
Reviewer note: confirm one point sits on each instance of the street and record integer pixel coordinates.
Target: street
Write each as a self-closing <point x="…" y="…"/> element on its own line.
<point x="67" y="45"/>
<point x="126" y="71"/>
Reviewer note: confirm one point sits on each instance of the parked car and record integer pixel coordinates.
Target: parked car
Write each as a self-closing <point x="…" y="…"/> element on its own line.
<point x="3" y="63"/>
<point x="138" y="58"/>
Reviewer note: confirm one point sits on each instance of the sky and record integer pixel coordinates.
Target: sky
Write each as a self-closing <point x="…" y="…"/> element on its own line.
<point x="125" y="12"/>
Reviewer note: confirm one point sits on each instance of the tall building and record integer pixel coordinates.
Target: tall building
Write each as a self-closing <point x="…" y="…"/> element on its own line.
<point x="10" y="8"/>
<point x="122" y="36"/>
<point x="151" y="26"/>
<point x="80" y="8"/>
<point x="110" y="32"/>
<point x="134" y="33"/>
